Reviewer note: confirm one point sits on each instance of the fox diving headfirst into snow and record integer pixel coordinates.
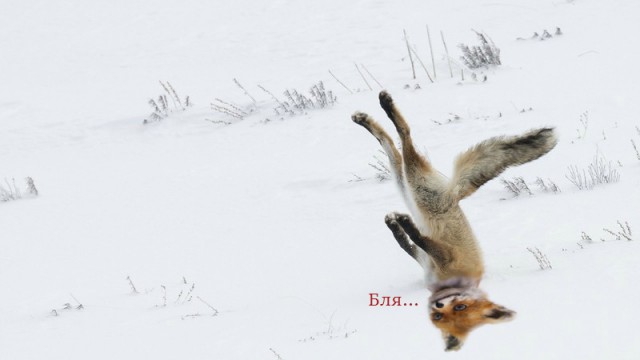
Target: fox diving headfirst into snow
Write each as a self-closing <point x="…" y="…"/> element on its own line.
<point x="439" y="236"/>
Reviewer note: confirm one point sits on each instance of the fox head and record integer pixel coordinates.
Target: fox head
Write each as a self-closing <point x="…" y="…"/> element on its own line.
<point x="457" y="307"/>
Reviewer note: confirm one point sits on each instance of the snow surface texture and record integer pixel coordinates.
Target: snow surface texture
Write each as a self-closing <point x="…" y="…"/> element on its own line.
<point x="263" y="221"/>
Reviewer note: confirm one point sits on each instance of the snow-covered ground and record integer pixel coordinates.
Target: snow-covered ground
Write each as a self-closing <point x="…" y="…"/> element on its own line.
<point x="265" y="221"/>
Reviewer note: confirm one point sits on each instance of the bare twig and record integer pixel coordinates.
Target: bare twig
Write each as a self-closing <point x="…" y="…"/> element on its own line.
<point x="280" y="103"/>
<point x="340" y="82"/>
<point x="635" y="148"/>
<point x="446" y="51"/>
<point x="406" y="40"/>
<point x="227" y="111"/>
<point x="214" y="311"/>
<point x="433" y="62"/>
<point x="232" y="106"/>
<point x="585" y="237"/>
<point x="363" y="78"/>
<point x="218" y="122"/>
<point x="11" y="192"/>
<point x="356" y="178"/>
<point x="133" y="287"/>
<point x="368" y="73"/>
<point x="79" y="306"/>
<point x="422" y="64"/>
<point x="245" y="90"/>
<point x="626" y="231"/>
<point x="543" y="261"/>
<point x="278" y="357"/>
<point x="617" y="236"/>
<point x="188" y="296"/>
<point x="164" y="295"/>
<point x="173" y="92"/>
<point x="166" y="89"/>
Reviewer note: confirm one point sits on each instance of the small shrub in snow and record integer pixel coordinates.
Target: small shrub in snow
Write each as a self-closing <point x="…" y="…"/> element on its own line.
<point x="223" y="122"/>
<point x="452" y="119"/>
<point x="10" y="190"/>
<point x="31" y="186"/>
<point x="624" y="232"/>
<point x="541" y="258"/>
<point x="188" y="295"/>
<point x="164" y="296"/>
<point x="67" y="306"/>
<point x="331" y="332"/>
<point x="599" y="172"/>
<point x="550" y="186"/>
<point x="483" y="55"/>
<point x="383" y="173"/>
<point x="184" y="298"/>
<point x="161" y="106"/>
<point x="518" y="185"/>
<point x="229" y="109"/>
<point x="584" y="122"/>
<point x="579" y="179"/>
<point x="297" y="103"/>
<point x="545" y="35"/>
<point x="585" y="237"/>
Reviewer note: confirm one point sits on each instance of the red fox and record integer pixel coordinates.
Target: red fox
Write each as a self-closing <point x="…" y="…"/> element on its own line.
<point x="441" y="239"/>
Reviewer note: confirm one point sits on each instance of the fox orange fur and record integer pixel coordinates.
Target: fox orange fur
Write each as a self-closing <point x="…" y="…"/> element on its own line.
<point x="441" y="239"/>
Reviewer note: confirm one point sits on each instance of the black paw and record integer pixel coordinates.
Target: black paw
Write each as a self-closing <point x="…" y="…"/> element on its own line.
<point x="390" y="219"/>
<point x="396" y="229"/>
<point x="386" y="102"/>
<point x="360" y="118"/>
<point x="408" y="226"/>
<point x="404" y="219"/>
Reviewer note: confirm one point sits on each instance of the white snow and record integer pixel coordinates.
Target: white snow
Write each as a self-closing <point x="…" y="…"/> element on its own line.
<point x="264" y="218"/>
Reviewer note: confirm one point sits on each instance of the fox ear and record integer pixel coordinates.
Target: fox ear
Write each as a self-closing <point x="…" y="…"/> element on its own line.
<point x="500" y="313"/>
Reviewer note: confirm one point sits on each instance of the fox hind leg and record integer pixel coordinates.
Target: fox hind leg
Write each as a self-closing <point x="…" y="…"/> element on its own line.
<point x="395" y="158"/>
<point x="428" y="186"/>
<point x="413" y="161"/>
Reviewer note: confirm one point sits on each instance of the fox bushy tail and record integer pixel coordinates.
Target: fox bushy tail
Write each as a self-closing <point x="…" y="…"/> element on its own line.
<point x="490" y="158"/>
